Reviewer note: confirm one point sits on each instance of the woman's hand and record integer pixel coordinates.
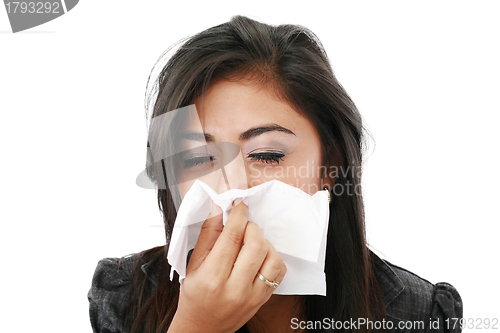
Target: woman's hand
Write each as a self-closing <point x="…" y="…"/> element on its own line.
<point x="222" y="291"/>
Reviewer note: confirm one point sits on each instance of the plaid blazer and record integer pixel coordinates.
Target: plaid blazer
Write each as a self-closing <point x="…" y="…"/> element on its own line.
<point x="412" y="303"/>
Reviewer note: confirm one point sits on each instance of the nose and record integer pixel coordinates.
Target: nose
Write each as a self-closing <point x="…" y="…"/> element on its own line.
<point x="230" y="175"/>
<point x="236" y="173"/>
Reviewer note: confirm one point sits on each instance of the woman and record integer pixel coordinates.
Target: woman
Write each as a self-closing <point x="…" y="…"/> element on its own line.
<point x="269" y="90"/>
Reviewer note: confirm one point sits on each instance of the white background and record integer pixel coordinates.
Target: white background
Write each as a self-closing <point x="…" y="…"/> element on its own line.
<point x="424" y="75"/>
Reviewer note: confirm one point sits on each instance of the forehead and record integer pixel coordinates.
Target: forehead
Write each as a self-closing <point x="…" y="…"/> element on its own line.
<point x="229" y="108"/>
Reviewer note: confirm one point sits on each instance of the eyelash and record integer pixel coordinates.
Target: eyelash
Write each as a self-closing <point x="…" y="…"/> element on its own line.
<point x="192" y="162"/>
<point x="266" y="157"/>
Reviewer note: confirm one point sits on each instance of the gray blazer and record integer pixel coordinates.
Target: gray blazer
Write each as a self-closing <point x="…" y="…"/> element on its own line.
<point x="412" y="303"/>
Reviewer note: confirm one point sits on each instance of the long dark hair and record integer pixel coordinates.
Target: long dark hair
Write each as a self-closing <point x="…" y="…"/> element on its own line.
<point x="293" y="61"/>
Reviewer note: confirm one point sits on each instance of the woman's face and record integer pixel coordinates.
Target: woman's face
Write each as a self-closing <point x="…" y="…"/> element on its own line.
<point x="272" y="139"/>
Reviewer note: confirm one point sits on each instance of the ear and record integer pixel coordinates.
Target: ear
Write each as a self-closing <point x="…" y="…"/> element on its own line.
<point x="327" y="183"/>
<point x="331" y="171"/>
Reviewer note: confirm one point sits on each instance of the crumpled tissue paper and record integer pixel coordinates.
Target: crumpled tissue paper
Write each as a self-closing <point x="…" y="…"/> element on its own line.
<point x="295" y="222"/>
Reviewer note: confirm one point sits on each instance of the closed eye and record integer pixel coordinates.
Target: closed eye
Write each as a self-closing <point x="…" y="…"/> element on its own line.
<point x="267" y="157"/>
<point x="192" y="162"/>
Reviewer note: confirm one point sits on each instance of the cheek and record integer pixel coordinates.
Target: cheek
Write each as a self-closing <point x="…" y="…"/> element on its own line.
<point x="216" y="180"/>
<point x="184" y="187"/>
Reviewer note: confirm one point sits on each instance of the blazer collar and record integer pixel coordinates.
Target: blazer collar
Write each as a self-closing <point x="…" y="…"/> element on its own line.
<point x="151" y="272"/>
<point x="390" y="283"/>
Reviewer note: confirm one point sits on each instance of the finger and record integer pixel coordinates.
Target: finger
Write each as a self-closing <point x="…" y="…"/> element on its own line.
<point x="210" y="232"/>
<point x="229" y="243"/>
<point x="271" y="269"/>
<point x="251" y="256"/>
<point x="281" y="274"/>
<point x="265" y="290"/>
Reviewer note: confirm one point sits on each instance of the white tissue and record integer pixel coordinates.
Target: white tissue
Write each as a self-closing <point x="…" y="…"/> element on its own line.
<point x="295" y="222"/>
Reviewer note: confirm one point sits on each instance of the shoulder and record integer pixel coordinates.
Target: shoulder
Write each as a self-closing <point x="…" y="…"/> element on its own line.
<point x="114" y="270"/>
<point x="408" y="297"/>
<point x="109" y="293"/>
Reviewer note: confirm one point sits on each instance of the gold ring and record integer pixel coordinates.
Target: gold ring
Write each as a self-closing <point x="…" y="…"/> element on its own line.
<point x="273" y="284"/>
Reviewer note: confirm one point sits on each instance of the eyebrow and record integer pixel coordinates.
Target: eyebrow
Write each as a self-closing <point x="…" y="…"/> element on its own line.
<point x="248" y="134"/>
<point x="196" y="136"/>
<point x="253" y="132"/>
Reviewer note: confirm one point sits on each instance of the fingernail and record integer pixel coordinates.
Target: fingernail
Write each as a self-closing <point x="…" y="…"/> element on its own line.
<point x="236" y="201"/>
